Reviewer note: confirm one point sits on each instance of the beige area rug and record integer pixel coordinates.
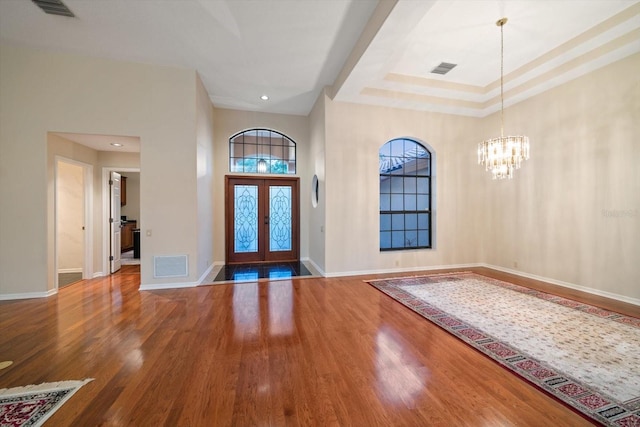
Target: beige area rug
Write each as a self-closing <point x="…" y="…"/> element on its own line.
<point x="584" y="356"/>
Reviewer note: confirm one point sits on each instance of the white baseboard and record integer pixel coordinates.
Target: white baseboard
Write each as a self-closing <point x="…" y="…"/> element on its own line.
<point x="205" y="274"/>
<point x="401" y="270"/>
<point x="177" y="285"/>
<point x="611" y="295"/>
<point x="70" y="270"/>
<point x="28" y="295"/>
<point x="174" y="285"/>
<point x="315" y="266"/>
<point x="98" y="274"/>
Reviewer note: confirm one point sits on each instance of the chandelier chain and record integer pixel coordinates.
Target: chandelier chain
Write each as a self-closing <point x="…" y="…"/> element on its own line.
<point x="502" y="80"/>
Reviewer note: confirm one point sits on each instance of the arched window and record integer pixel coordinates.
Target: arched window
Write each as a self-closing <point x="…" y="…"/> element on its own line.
<point x="262" y="151"/>
<point x="405" y="195"/>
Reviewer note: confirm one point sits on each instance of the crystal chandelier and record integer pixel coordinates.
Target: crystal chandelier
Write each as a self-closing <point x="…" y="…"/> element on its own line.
<point x="504" y="154"/>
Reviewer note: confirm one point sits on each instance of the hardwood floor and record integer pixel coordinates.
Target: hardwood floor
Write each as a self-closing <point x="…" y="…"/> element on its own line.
<point x="305" y="352"/>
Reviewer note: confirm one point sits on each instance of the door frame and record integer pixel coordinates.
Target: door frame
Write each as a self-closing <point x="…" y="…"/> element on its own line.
<point x="115" y="222"/>
<point x="228" y="219"/>
<point x="87" y="178"/>
<point x="106" y="229"/>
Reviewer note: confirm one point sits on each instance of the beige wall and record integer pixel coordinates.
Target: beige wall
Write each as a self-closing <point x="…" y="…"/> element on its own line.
<point x="317" y="127"/>
<point x="230" y="122"/>
<point x="354" y="134"/>
<point x="61" y="148"/>
<point x="70" y="216"/>
<point x="204" y="175"/>
<point x="89" y="95"/>
<point x="116" y="160"/>
<point x="572" y="213"/>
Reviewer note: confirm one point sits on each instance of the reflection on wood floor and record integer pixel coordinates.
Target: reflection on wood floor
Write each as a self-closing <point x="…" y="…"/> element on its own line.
<point x="302" y="352"/>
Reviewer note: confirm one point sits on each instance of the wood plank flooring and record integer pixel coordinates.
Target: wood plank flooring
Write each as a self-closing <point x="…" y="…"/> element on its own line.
<point x="301" y="352"/>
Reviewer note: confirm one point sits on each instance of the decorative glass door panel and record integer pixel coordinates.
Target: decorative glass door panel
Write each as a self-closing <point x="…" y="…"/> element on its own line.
<point x="246" y="218"/>
<point x="261" y="219"/>
<point x="280" y="218"/>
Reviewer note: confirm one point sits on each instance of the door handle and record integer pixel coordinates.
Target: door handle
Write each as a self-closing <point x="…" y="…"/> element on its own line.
<point x="266" y="220"/>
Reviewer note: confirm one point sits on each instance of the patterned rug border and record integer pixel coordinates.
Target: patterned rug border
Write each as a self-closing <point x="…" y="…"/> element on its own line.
<point x="419" y="276"/>
<point x="64" y="389"/>
<point x="582" y="398"/>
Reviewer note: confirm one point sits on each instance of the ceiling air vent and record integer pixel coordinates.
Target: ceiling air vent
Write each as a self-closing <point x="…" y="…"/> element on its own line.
<point x="54" y="7"/>
<point x="443" y="68"/>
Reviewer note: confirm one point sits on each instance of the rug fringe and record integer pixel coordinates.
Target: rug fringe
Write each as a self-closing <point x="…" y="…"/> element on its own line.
<point x="36" y="388"/>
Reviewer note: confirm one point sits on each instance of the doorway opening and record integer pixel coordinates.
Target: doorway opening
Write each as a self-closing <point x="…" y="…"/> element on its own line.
<point x="73" y="231"/>
<point x="262" y="219"/>
<point x="129" y="218"/>
<point x="121" y="216"/>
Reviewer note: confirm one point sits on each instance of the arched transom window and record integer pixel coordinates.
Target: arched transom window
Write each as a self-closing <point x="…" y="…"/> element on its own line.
<point x="262" y="151"/>
<point x="405" y="195"/>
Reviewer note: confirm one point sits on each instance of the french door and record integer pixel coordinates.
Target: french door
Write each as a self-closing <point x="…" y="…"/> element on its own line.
<point x="261" y="219"/>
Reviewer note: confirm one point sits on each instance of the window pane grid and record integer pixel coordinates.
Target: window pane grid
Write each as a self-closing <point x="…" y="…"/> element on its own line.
<point x="254" y="149"/>
<point x="405" y="195"/>
<point x="413" y="235"/>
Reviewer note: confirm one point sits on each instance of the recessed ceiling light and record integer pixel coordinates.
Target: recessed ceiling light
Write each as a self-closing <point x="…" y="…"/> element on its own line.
<point x="116" y="144"/>
<point x="264" y="97"/>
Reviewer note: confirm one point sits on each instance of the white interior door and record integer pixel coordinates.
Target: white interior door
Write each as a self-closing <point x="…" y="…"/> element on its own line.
<point x="114" y="220"/>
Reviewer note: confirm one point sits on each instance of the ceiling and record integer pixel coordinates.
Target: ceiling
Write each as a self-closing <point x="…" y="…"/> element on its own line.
<point x="369" y="52"/>
<point x="546" y="43"/>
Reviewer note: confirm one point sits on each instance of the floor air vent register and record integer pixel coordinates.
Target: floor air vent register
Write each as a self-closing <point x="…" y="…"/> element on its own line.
<point x="170" y="266"/>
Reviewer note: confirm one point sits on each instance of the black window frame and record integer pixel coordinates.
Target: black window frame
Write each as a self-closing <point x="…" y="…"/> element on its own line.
<point x="386" y="169"/>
